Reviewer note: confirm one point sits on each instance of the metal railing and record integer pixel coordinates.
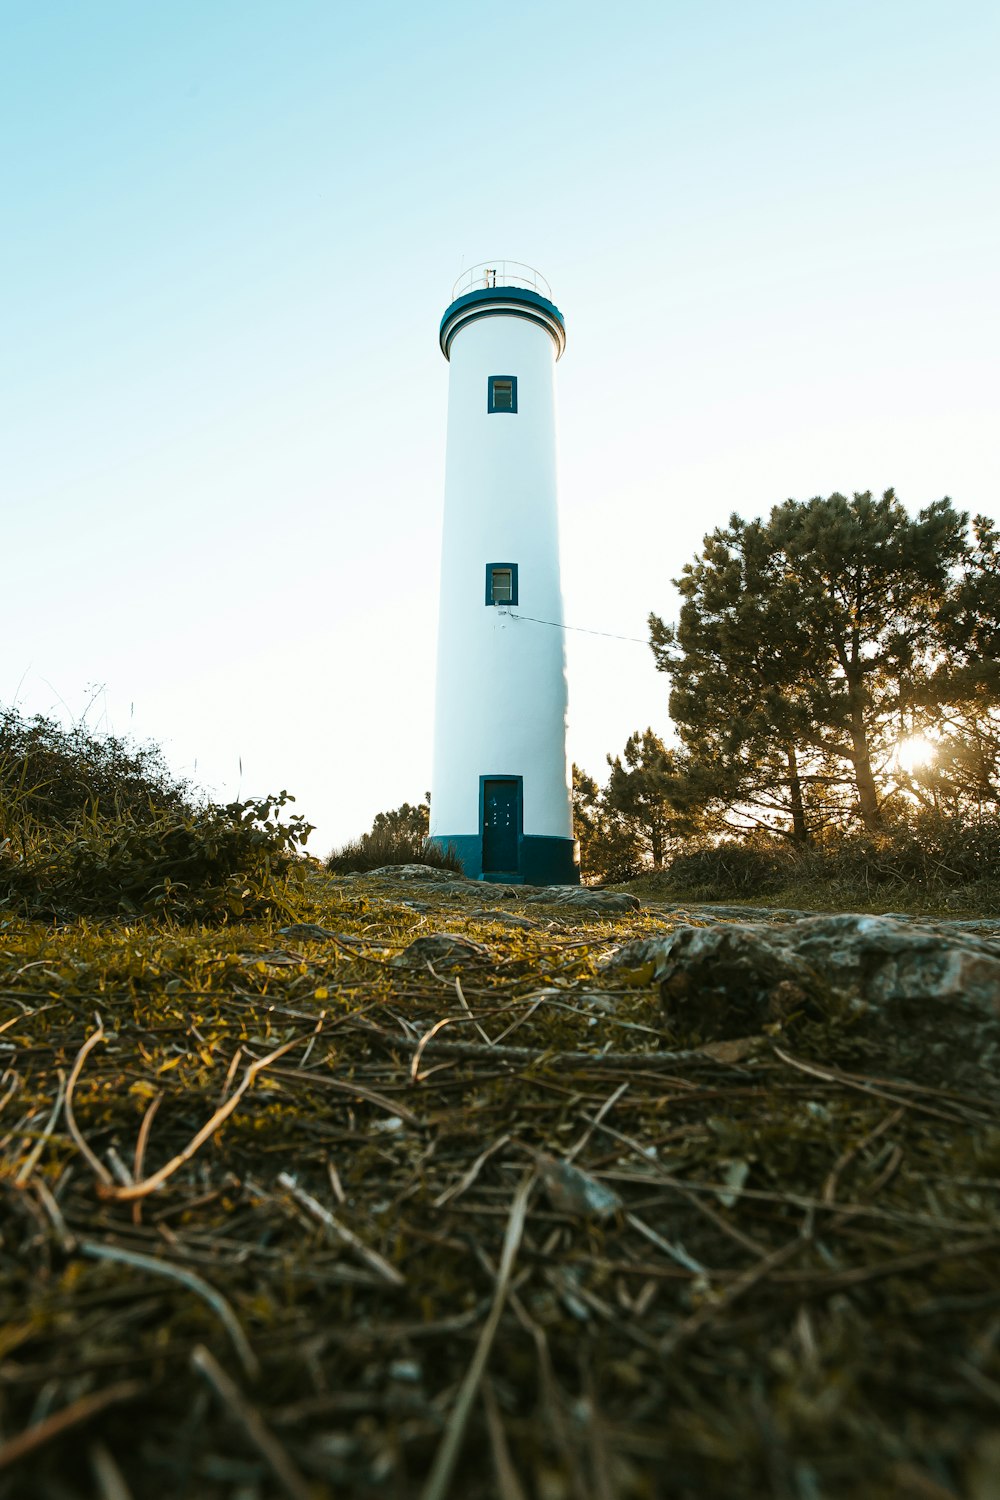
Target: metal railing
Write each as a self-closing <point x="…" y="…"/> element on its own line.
<point x="500" y="273"/>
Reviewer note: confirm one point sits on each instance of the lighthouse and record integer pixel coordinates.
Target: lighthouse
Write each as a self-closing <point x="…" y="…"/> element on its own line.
<point x="500" y="792"/>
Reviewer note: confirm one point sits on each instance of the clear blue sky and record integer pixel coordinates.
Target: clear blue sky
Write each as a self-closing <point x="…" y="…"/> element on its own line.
<point x="230" y="230"/>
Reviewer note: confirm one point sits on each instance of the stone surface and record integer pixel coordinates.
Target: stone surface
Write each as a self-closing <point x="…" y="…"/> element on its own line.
<point x="722" y="980"/>
<point x="407" y="872"/>
<point x="505" y="918"/>
<point x="585" y="898"/>
<point x="882" y="961"/>
<point x="444" y="950"/>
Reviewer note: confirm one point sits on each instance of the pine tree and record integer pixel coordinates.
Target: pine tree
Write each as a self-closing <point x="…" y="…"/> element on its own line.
<point x="639" y="793"/>
<point x="610" y="847"/>
<point x="806" y="641"/>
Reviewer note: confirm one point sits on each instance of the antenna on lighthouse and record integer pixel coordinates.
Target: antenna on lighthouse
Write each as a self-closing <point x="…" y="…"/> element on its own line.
<point x="501" y="788"/>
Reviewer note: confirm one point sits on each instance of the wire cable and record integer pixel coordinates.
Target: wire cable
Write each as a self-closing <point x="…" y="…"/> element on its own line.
<point x="579" y="629"/>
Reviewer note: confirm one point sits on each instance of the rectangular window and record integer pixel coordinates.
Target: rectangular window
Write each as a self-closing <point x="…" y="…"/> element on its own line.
<point x="502" y="393"/>
<point x="501" y="583"/>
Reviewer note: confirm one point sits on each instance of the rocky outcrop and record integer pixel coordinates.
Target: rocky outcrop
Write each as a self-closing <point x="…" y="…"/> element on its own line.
<point x="727" y="979"/>
<point x="585" y="898"/>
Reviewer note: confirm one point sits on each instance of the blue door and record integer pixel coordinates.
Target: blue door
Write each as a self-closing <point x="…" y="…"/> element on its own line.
<point x="501" y="799"/>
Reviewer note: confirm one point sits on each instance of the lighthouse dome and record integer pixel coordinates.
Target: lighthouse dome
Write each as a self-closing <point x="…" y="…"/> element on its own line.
<point x="501" y="288"/>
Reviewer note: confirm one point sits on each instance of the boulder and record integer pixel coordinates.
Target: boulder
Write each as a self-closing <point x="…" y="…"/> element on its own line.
<point x="884" y="961"/>
<point x="721" y="980"/>
<point x="443" y="950"/>
<point x="585" y="898"/>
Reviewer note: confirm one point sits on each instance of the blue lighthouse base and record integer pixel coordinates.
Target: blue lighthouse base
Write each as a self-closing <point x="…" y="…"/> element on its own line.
<point x="540" y="860"/>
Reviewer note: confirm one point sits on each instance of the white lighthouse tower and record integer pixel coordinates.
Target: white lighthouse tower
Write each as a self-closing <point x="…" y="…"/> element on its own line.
<point x="500" y="791"/>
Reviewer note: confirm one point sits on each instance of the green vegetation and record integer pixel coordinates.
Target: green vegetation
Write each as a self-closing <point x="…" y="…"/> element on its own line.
<point x="835" y="687"/>
<point x="91" y="826"/>
<point x="396" y="838"/>
<point x="631" y="823"/>
<point x="810" y="645"/>
<point x="931" y="864"/>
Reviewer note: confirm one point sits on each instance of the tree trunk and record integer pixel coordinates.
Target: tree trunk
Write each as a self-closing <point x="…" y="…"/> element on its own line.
<point x="800" y="831"/>
<point x="868" y="804"/>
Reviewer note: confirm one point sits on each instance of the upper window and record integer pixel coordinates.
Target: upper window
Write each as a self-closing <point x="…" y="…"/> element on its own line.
<point x="502" y="393"/>
<point x="501" y="583"/>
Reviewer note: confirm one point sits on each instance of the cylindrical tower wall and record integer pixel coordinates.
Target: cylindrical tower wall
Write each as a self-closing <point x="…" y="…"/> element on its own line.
<point x="501" y="679"/>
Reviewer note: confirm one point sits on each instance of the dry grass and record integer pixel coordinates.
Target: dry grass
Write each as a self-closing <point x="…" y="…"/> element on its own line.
<point x="283" y="1217"/>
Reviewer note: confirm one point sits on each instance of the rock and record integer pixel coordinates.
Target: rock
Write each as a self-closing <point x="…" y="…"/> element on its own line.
<point x="407" y="872"/>
<point x="448" y="950"/>
<point x="309" y="932"/>
<point x="721" y="982"/>
<point x="571" y="1191"/>
<point x="718" y="912"/>
<point x="884" y="961"/>
<point x="584" y="898"/>
<point x="722" y="979"/>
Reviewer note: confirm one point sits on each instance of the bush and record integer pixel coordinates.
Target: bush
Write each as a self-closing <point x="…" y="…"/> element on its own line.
<point x="929" y="861"/>
<point x="733" y="870"/>
<point x="96" y="827"/>
<point x="385" y="846"/>
<point x="52" y="776"/>
<point x="930" y="853"/>
<point x="203" y="864"/>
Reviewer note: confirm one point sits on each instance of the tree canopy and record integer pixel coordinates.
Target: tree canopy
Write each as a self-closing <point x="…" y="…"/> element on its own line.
<point x="811" y="644"/>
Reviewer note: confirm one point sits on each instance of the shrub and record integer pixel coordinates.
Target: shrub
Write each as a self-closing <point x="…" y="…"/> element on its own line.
<point x="384" y="846"/>
<point x="52" y="776"/>
<point x="192" y="864"/>
<point x="97" y="827"/>
<point x="930" y="860"/>
<point x="931" y="852"/>
<point x="732" y="869"/>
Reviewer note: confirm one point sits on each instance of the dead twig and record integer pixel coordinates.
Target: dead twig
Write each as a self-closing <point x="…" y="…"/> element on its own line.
<point x="140" y="1151"/>
<point x="315" y="1209"/>
<point x="508" y="1485"/>
<point x="98" y="1168"/>
<point x="736" y="1289"/>
<point x="67" y="1241"/>
<point x="496" y="1053"/>
<point x="215" y="1300"/>
<point x="593" y="1123"/>
<point x="868" y="1086"/>
<point x="253" y="1424"/>
<point x="465" y="1006"/>
<point x="468" y="1177"/>
<point x="420" y="1046"/>
<point x="107" y="1476"/>
<point x="846" y="1157"/>
<point x="352" y="1088"/>
<point x="445" y="1458"/>
<point x="31" y="1160"/>
<point x="70" y="1416"/>
<point x="150" y="1184"/>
